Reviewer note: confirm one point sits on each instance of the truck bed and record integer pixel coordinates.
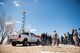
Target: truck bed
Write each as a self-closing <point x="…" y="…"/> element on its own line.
<point x="13" y="36"/>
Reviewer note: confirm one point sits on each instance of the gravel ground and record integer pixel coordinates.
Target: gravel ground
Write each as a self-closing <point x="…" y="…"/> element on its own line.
<point x="39" y="49"/>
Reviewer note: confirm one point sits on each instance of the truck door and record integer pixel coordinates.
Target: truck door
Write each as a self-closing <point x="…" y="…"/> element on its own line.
<point x="33" y="37"/>
<point x="28" y="36"/>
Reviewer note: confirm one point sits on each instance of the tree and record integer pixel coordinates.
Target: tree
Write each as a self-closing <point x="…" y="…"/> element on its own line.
<point x="9" y="28"/>
<point x="2" y="23"/>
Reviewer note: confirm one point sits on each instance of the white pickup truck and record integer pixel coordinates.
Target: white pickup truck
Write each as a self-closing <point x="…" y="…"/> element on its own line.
<point x="24" y="38"/>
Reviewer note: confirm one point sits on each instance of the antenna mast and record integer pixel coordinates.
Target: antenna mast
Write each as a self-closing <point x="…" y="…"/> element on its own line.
<point x="23" y="20"/>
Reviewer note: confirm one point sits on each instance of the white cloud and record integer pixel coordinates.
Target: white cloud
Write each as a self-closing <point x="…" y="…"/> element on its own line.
<point x="1" y="3"/>
<point x="8" y="23"/>
<point x="12" y="22"/>
<point x="29" y="26"/>
<point x="33" y="30"/>
<point x="16" y="3"/>
<point x="17" y="22"/>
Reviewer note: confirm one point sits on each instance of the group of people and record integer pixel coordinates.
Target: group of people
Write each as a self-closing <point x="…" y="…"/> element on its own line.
<point x="45" y="39"/>
<point x="71" y="39"/>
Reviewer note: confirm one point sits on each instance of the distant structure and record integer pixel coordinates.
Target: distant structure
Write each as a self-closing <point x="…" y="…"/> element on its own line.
<point x="23" y="20"/>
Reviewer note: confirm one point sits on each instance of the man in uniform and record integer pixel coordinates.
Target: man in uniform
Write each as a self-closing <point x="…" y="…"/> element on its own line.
<point x="56" y="38"/>
<point x="76" y="38"/>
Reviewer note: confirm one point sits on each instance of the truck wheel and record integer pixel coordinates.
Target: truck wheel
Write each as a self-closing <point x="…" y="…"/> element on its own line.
<point x="38" y="42"/>
<point x="29" y="44"/>
<point x="13" y="43"/>
<point x="25" y="42"/>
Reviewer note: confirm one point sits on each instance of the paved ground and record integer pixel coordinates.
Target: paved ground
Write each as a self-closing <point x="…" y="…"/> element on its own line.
<point x="39" y="49"/>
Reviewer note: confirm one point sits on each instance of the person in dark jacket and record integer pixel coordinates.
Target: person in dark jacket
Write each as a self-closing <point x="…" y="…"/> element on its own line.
<point x="43" y="39"/>
<point x="69" y="38"/>
<point x="72" y="41"/>
<point x="50" y="40"/>
<point x="62" y="40"/>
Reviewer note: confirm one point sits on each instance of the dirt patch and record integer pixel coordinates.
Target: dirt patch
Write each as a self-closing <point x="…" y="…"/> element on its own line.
<point x="39" y="49"/>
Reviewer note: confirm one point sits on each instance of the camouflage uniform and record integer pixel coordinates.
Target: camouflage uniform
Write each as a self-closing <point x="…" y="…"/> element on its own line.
<point x="65" y="39"/>
<point x="75" y="37"/>
<point x="56" y="39"/>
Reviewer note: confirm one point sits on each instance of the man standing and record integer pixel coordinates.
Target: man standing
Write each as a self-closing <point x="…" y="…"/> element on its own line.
<point x="69" y="38"/>
<point x="75" y="37"/>
<point x="72" y="41"/>
<point x="65" y="39"/>
<point x="50" y="40"/>
<point x="56" y="38"/>
<point x="44" y="39"/>
<point x="0" y="36"/>
<point x="62" y="40"/>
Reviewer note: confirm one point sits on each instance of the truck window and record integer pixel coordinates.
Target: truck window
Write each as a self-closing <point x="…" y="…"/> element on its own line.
<point x="33" y="35"/>
<point x="25" y="33"/>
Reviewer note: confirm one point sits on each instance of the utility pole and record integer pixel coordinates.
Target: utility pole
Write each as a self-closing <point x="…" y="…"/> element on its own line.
<point x="23" y="20"/>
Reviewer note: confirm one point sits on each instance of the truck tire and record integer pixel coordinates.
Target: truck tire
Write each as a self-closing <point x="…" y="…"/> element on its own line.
<point x="25" y="42"/>
<point x="29" y="44"/>
<point x="13" y="43"/>
<point x="38" y="42"/>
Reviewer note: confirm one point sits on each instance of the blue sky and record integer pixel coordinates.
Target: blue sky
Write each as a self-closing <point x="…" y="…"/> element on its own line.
<point x="44" y="15"/>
